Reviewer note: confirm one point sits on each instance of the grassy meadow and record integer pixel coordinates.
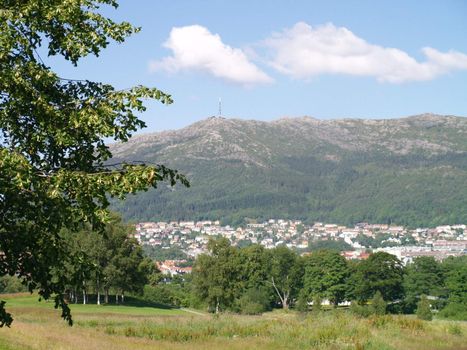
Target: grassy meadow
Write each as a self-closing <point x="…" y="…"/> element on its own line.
<point x="38" y="326"/>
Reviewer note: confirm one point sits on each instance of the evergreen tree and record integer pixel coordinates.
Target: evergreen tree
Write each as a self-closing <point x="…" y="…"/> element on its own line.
<point x="424" y="309"/>
<point x="317" y="303"/>
<point x="378" y="305"/>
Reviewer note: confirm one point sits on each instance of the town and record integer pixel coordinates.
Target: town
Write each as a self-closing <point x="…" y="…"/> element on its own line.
<point x="354" y="242"/>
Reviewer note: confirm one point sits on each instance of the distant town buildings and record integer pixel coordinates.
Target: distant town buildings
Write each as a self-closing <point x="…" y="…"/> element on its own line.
<point x="192" y="237"/>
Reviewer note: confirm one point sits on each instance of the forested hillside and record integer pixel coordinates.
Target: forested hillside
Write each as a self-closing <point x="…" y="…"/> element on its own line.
<point x="410" y="171"/>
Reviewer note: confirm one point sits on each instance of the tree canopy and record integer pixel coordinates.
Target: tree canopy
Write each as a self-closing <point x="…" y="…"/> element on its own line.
<point x="326" y="274"/>
<point x="381" y="272"/>
<point x="54" y="164"/>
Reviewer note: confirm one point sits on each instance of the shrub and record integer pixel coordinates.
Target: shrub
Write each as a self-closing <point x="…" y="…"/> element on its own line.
<point x="359" y="310"/>
<point x="423" y="309"/>
<point x="11" y="284"/>
<point x="253" y="302"/>
<point x="248" y="307"/>
<point x="455" y="311"/>
<point x="160" y="294"/>
<point x="378" y="305"/>
<point x="454" y="329"/>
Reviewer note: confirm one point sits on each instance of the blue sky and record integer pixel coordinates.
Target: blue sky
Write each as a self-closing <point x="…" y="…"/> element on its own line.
<point x="269" y="59"/>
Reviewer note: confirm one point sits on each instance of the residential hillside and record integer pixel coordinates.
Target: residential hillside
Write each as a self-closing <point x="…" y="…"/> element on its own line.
<point x="410" y="171"/>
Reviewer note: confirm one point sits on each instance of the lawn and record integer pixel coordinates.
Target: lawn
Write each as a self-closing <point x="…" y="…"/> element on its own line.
<point x="38" y="326"/>
<point x="131" y="307"/>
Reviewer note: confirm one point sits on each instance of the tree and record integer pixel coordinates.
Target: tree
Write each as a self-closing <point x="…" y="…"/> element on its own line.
<point x="423" y="276"/>
<point x="326" y="274"/>
<point x="423" y="309"/>
<point x="128" y="270"/>
<point x="456" y="279"/>
<point x="54" y="163"/>
<point x="378" y="305"/>
<point x="286" y="272"/>
<point x="381" y="272"/>
<point x="455" y="270"/>
<point x="255" y="266"/>
<point x="217" y="276"/>
<point x="317" y="303"/>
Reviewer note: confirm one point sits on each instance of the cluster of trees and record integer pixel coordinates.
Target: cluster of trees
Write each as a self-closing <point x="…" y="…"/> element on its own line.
<point x="254" y="279"/>
<point x="97" y="265"/>
<point x="111" y="262"/>
<point x="381" y="240"/>
<point x="159" y="253"/>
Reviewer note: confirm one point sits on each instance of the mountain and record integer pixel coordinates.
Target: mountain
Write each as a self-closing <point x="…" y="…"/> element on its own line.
<point x="410" y="171"/>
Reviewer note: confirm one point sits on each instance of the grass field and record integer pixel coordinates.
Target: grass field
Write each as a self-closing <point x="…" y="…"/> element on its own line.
<point x="38" y="326"/>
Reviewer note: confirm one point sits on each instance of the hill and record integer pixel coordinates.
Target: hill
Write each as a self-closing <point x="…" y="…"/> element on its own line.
<point x="410" y="171"/>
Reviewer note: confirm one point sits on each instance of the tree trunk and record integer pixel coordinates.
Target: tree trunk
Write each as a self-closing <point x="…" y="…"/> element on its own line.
<point x="217" y="305"/>
<point x="84" y="296"/>
<point x="116" y="298"/>
<point x="98" y="292"/>
<point x="106" y="297"/>
<point x="284" y="298"/>
<point x="123" y="296"/>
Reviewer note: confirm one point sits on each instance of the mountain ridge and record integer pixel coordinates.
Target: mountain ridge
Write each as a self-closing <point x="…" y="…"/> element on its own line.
<point x="306" y="168"/>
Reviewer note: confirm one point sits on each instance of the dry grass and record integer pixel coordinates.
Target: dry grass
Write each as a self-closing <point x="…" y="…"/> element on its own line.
<point x="41" y="328"/>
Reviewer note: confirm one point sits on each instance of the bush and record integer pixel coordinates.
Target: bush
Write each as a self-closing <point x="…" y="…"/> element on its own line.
<point x="248" y="307"/>
<point x="424" y="309"/>
<point x="161" y="294"/>
<point x="454" y="329"/>
<point x="11" y="284"/>
<point x="454" y="311"/>
<point x="359" y="310"/>
<point x="253" y="302"/>
<point x="378" y="305"/>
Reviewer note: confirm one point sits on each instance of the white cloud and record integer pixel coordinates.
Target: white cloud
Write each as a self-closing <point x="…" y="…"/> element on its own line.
<point x="195" y="48"/>
<point x="304" y="51"/>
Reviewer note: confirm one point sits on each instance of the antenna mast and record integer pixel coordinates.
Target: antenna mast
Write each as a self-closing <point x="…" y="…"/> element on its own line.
<point x="220" y="107"/>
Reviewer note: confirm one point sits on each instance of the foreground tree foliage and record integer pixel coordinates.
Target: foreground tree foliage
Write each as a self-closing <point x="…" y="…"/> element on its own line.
<point x="54" y="164"/>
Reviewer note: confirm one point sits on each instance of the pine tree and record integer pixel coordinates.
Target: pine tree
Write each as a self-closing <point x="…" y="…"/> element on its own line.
<point x="378" y="305"/>
<point x="423" y="309"/>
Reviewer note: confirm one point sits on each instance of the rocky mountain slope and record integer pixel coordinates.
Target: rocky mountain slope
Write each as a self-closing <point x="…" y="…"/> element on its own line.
<point x="409" y="171"/>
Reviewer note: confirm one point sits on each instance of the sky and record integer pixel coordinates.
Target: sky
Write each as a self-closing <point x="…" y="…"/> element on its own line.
<point x="271" y="59"/>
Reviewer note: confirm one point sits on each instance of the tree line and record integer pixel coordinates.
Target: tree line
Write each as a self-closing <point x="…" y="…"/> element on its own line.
<point x="97" y="265"/>
<point x="104" y="263"/>
<point x="254" y="279"/>
<point x="103" y="267"/>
